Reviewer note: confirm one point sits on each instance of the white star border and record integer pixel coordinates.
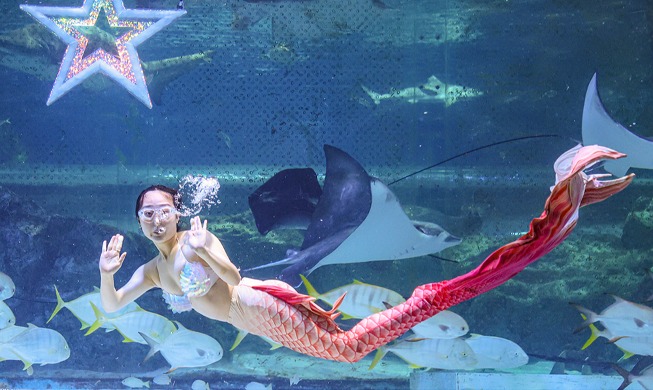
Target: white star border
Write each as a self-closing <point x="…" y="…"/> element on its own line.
<point x="139" y="89"/>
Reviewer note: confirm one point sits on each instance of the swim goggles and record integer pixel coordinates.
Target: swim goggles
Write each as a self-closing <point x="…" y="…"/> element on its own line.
<point x="147" y="214"/>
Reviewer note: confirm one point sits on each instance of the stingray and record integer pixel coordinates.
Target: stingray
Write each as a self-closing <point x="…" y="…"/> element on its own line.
<point x="357" y="219"/>
<point x="599" y="128"/>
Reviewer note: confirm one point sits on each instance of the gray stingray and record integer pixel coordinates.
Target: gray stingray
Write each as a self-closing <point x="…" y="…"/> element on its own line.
<point x="357" y="219"/>
<point x="599" y="128"/>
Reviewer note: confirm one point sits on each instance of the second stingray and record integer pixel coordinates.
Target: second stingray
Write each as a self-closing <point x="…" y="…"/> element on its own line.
<point x="356" y="218"/>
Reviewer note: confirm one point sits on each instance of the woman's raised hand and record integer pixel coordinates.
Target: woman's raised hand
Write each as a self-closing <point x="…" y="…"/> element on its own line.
<point x="111" y="259"/>
<point x="196" y="236"/>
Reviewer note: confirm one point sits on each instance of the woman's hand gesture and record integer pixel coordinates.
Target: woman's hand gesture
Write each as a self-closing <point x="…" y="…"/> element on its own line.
<point x="197" y="235"/>
<point x="111" y="259"/>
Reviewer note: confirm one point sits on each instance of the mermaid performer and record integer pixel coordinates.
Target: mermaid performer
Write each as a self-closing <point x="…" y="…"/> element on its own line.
<point x="195" y="272"/>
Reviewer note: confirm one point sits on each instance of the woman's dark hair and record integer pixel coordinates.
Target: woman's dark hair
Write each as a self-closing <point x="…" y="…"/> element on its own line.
<point x="176" y="196"/>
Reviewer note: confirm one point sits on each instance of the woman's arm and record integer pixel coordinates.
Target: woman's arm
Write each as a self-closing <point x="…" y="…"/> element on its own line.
<point x="210" y="249"/>
<point x="110" y="262"/>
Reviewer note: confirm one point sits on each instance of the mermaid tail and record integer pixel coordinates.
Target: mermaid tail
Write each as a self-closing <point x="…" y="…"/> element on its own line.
<point x="295" y="321"/>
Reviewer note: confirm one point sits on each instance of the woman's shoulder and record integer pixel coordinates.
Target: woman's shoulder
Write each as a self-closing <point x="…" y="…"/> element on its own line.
<point x="151" y="270"/>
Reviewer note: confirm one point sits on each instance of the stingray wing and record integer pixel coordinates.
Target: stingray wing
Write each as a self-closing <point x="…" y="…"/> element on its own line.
<point x="286" y="200"/>
<point x="600" y="129"/>
<point x="346" y="198"/>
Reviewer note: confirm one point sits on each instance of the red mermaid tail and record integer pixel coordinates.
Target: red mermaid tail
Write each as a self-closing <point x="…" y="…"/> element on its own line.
<point x="295" y="321"/>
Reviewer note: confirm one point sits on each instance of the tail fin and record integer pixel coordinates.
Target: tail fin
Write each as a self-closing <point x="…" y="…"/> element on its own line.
<point x="595" y="333"/>
<point x="588" y="316"/>
<point x="380" y="353"/>
<point x="310" y="290"/>
<point x="573" y="190"/>
<point x="376" y="97"/>
<point x="155" y="346"/>
<point x="60" y="305"/>
<point x="99" y="320"/>
<point x="625" y="374"/>
<point x="239" y="338"/>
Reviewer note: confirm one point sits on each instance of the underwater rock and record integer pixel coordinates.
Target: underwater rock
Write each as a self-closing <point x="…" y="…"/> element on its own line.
<point x="638" y="229"/>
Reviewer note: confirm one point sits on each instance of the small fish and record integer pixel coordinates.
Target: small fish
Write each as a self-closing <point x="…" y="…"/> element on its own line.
<point x="629" y="345"/>
<point x="7" y="287"/>
<point x="83" y="311"/>
<point x="496" y="352"/>
<point x="186" y="348"/>
<point x="135" y="383"/>
<point x="258" y="386"/>
<point x="5" y="122"/>
<point x="199" y="384"/>
<point x="623" y="318"/>
<point x="444" y="354"/>
<point x="361" y="299"/>
<point x="7" y="317"/>
<point x="134" y="324"/>
<point x="431" y="91"/>
<point x="444" y="325"/>
<point x="162" y="379"/>
<point x="35" y="346"/>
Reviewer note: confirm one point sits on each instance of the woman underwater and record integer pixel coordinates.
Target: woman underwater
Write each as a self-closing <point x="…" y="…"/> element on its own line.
<point x="195" y="272"/>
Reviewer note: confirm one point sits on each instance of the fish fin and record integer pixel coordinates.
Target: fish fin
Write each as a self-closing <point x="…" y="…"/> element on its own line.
<point x="60" y="305"/>
<point x="627" y="354"/>
<point x="99" y="320"/>
<point x="625" y="374"/>
<point x="27" y="364"/>
<point x="275" y="346"/>
<point x="310" y="290"/>
<point x="639" y="323"/>
<point x="346" y="316"/>
<point x="387" y="305"/>
<point x="96" y="289"/>
<point x="380" y="353"/>
<point x="154" y="346"/>
<point x="590" y="317"/>
<point x="239" y="337"/>
<point x="593" y="336"/>
<point x="180" y="326"/>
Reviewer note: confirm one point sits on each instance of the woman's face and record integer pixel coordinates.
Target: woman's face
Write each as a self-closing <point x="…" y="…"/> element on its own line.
<point x="159" y="217"/>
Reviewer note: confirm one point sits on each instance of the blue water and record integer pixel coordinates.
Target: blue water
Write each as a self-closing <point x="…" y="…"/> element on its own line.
<point x="285" y="78"/>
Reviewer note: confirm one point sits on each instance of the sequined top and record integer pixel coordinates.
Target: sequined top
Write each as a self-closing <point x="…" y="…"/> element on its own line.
<point x="195" y="281"/>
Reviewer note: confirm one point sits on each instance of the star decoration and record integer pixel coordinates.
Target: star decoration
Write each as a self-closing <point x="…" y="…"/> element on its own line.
<point x="102" y="36"/>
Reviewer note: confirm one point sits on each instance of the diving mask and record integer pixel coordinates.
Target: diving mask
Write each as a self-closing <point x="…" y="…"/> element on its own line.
<point x="147" y="214"/>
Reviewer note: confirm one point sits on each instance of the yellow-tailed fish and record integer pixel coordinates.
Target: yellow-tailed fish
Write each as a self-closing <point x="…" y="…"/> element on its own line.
<point x="186" y="348"/>
<point x="444" y="325"/>
<point x="7" y="287"/>
<point x="36" y="346"/>
<point x="629" y="345"/>
<point x="130" y="325"/>
<point x="496" y="352"/>
<point x="82" y="310"/>
<point x="361" y="299"/>
<point x="623" y="318"/>
<point x="444" y="354"/>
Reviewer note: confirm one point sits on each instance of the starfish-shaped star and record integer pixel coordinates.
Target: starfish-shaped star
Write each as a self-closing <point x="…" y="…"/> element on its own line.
<point x="102" y="36"/>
